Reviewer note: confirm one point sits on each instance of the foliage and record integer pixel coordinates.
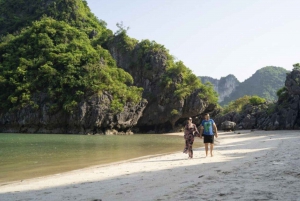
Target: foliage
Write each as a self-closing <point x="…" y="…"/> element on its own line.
<point x="125" y="43"/>
<point x="271" y="108"/>
<point x="237" y="105"/>
<point x="256" y="100"/>
<point x="59" y="47"/>
<point x="66" y="67"/>
<point x="174" y="112"/>
<point x="282" y="93"/>
<point x="177" y="77"/>
<point x="209" y="93"/>
<point x="187" y="82"/>
<point x="122" y="29"/>
<point x="264" y="83"/>
<point x="296" y="66"/>
<point x="18" y="14"/>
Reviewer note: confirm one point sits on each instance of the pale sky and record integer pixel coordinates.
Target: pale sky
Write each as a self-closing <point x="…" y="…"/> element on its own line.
<point x="213" y="37"/>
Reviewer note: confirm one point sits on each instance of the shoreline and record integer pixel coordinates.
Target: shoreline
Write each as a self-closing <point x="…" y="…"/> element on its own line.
<point x="97" y="166"/>
<point x="246" y="166"/>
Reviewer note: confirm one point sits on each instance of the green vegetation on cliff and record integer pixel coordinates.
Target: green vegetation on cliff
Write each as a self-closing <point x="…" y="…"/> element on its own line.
<point x="17" y="14"/>
<point x="59" y="48"/>
<point x="58" y="58"/>
<point x="176" y="78"/>
<point x="239" y="104"/>
<point x="264" y="83"/>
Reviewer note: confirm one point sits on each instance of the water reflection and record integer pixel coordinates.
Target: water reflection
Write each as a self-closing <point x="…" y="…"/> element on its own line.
<point x="25" y="156"/>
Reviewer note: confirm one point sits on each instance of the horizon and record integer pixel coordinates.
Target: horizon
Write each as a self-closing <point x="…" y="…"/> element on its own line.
<point x="214" y="38"/>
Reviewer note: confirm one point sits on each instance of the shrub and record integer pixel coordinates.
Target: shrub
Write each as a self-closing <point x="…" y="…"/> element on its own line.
<point x="174" y="112"/>
<point x="256" y="100"/>
<point x="55" y="58"/>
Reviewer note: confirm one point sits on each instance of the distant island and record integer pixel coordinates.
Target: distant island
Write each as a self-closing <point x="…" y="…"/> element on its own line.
<point x="264" y="82"/>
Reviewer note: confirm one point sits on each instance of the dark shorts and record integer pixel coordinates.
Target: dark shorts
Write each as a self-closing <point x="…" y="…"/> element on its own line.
<point x="208" y="139"/>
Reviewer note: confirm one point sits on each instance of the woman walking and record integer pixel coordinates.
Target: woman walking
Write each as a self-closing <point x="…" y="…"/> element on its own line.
<point x="190" y="130"/>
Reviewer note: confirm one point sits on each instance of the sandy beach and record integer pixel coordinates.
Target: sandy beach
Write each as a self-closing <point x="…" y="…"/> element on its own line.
<point x="258" y="165"/>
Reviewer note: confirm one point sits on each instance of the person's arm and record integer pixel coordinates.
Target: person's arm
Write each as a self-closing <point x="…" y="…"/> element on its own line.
<point x="201" y="131"/>
<point x="215" y="130"/>
<point x="196" y="132"/>
<point x="185" y="130"/>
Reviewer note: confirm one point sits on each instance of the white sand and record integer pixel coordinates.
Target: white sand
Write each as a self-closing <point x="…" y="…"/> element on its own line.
<point x="256" y="165"/>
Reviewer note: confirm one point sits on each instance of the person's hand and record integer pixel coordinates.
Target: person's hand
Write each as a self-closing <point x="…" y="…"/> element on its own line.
<point x="216" y="135"/>
<point x="200" y="136"/>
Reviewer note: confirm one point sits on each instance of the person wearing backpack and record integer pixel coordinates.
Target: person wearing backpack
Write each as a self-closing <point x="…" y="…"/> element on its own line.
<point x="208" y="130"/>
<point x="190" y="130"/>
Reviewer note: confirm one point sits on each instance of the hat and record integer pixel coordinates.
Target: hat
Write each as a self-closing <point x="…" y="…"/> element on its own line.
<point x="190" y="118"/>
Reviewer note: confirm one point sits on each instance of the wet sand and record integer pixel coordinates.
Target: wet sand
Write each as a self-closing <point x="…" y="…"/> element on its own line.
<point x="259" y="165"/>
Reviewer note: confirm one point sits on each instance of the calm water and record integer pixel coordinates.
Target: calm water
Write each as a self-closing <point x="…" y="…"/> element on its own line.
<point x="24" y="156"/>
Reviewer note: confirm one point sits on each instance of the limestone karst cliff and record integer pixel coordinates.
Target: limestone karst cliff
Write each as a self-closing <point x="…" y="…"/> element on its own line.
<point x="63" y="71"/>
<point x="264" y="83"/>
<point x="279" y="115"/>
<point x="224" y="87"/>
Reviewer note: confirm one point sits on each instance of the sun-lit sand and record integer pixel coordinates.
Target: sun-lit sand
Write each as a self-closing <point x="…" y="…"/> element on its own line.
<point x="259" y="165"/>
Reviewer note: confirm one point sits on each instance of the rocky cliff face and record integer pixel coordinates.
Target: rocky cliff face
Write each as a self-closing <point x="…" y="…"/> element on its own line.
<point x="284" y="114"/>
<point x="249" y="118"/>
<point x="264" y="83"/>
<point x="224" y="87"/>
<point x="84" y="67"/>
<point x="164" y="109"/>
<point x="92" y="116"/>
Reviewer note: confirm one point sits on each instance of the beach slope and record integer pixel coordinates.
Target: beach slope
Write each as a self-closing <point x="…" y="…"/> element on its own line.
<point x="259" y="165"/>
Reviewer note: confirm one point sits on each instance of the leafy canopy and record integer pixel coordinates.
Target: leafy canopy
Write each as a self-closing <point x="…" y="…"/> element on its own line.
<point x="240" y="103"/>
<point x="55" y="58"/>
<point x="264" y="83"/>
<point x="176" y="78"/>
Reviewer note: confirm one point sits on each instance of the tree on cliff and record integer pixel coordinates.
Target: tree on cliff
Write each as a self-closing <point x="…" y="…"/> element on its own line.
<point x="239" y="104"/>
<point x="60" y="60"/>
<point x="59" y="49"/>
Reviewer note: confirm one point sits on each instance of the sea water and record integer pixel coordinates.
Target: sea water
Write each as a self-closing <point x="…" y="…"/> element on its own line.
<point x="24" y="156"/>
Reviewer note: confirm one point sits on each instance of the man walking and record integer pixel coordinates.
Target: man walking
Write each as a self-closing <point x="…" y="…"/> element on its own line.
<point x="208" y="130"/>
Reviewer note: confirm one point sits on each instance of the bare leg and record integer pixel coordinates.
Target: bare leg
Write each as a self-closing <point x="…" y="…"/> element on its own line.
<point x="185" y="150"/>
<point x="190" y="150"/>
<point x="211" y="149"/>
<point x="206" y="149"/>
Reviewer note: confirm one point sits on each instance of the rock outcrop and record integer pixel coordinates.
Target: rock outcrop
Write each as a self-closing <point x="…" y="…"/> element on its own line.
<point x="228" y="126"/>
<point x="284" y="114"/>
<point x="224" y="87"/>
<point x="248" y="118"/>
<point x="84" y="67"/>
<point x="164" y="109"/>
<point x="92" y="116"/>
<point x="264" y="83"/>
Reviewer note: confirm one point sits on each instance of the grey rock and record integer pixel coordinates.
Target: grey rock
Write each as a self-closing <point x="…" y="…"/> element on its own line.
<point x="284" y="114"/>
<point x="228" y="125"/>
<point x="92" y="116"/>
<point x="224" y="87"/>
<point x="164" y="110"/>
